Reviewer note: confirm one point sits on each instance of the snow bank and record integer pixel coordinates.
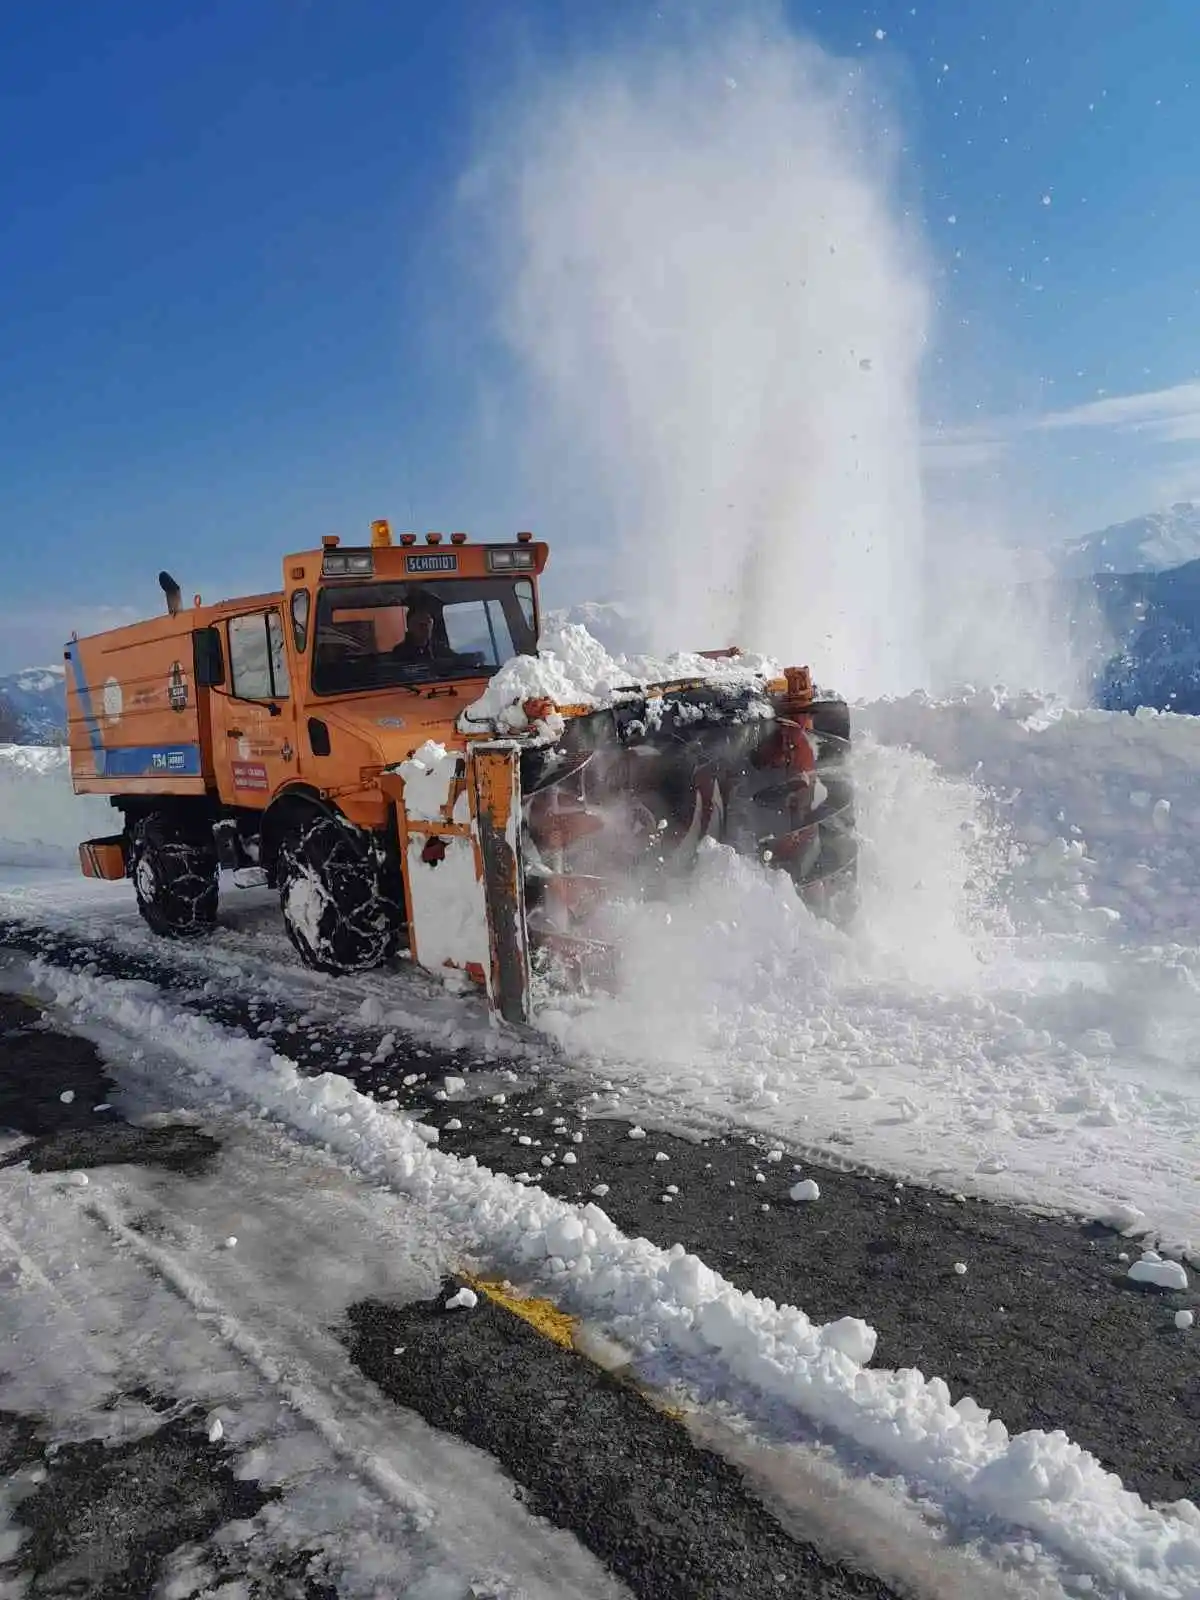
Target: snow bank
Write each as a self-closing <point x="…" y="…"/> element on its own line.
<point x="652" y="1298"/>
<point x="1102" y="808"/>
<point x="41" y="819"/>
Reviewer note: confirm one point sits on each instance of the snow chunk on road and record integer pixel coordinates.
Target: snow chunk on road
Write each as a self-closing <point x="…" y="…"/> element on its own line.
<point x="1184" y="1319"/>
<point x="852" y="1336"/>
<point x="1125" y="1219"/>
<point x="806" y="1189"/>
<point x="464" y="1300"/>
<point x="1162" y="1274"/>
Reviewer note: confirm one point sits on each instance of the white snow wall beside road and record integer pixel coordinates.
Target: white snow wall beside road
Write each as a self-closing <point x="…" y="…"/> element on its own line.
<point x="42" y="821"/>
<point x="1103" y="808"/>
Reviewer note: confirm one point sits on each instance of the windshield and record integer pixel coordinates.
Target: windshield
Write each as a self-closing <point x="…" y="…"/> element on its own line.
<point x="380" y="635"/>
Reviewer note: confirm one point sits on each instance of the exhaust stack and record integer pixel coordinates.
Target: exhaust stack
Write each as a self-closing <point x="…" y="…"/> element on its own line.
<point x="171" y="589"/>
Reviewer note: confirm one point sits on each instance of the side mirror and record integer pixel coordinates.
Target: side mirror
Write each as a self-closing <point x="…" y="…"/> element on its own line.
<point x="209" y="658"/>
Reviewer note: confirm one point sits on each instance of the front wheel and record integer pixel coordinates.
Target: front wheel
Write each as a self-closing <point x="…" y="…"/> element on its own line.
<point x="174" y="870"/>
<point x="336" y="907"/>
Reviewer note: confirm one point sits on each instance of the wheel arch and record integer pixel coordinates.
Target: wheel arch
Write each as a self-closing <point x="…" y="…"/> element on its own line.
<point x="297" y="800"/>
<point x="191" y="811"/>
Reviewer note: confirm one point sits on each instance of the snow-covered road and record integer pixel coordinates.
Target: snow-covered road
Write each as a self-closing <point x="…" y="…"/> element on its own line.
<point x="716" y="1345"/>
<point x="1018" y="1017"/>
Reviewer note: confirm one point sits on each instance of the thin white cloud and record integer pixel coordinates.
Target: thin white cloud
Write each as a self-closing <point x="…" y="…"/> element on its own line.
<point x="1177" y="430"/>
<point x="953" y="453"/>
<point x="1170" y="414"/>
<point x="1159" y="416"/>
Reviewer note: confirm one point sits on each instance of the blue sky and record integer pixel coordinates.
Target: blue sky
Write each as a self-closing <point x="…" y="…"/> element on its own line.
<point x="241" y="308"/>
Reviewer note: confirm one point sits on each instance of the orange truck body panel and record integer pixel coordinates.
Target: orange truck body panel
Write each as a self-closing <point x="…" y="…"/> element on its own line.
<point x="135" y="722"/>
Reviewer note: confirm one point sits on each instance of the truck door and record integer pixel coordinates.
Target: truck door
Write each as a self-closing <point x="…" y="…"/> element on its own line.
<point x="254" y="717"/>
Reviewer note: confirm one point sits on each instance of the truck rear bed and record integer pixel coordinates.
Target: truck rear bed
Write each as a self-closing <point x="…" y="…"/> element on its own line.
<point x="137" y="723"/>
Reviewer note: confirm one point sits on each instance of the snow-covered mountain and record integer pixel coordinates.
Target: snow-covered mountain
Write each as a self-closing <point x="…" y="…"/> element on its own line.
<point x="1153" y="543"/>
<point x="613" y="622"/>
<point x="38" y="698"/>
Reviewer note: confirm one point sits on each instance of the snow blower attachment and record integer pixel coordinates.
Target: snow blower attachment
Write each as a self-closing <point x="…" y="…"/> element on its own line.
<point x="375" y="742"/>
<point x="627" y="795"/>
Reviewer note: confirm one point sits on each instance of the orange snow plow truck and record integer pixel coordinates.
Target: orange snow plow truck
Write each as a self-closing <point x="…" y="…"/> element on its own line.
<point x="376" y="742"/>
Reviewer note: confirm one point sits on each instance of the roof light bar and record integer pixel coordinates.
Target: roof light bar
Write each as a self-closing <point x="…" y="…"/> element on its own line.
<point x="348" y="564"/>
<point x="508" y="558"/>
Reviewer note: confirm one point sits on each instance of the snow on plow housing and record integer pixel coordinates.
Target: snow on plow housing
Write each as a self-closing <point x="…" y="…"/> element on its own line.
<point x="365" y="740"/>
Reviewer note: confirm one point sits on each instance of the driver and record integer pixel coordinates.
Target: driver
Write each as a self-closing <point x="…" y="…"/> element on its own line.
<point x="418" y="641"/>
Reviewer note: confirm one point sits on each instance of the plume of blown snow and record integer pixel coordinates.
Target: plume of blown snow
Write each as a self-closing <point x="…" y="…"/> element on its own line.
<point x="999" y="613"/>
<point x="718" y="311"/>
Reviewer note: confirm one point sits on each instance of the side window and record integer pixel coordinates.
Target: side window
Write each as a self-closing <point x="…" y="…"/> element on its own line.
<point x="258" y="665"/>
<point x="524" y="620"/>
<point x="279" y="669"/>
<point x="300" y="607"/>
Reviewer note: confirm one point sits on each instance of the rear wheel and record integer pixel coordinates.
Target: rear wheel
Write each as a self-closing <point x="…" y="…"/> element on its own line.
<point x="337" y="907"/>
<point x="174" y="870"/>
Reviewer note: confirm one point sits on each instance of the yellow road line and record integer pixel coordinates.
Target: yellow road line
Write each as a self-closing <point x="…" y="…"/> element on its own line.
<point x="545" y="1318"/>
